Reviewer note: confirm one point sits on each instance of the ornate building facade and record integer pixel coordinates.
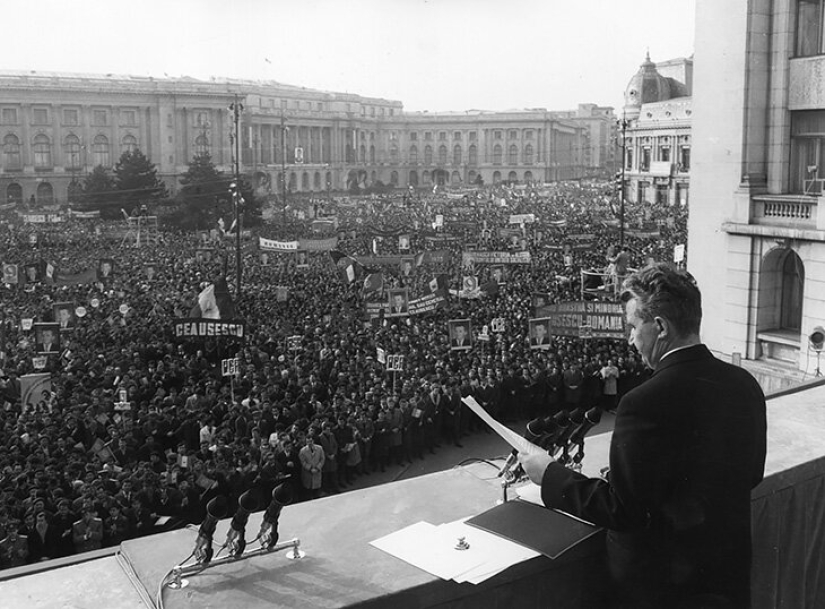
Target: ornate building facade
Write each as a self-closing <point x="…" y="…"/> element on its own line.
<point x="656" y="134"/>
<point x="56" y="128"/>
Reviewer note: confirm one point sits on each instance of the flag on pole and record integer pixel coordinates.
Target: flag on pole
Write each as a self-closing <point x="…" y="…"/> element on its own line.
<point x="214" y="302"/>
<point x="348" y="265"/>
<point x="373" y="283"/>
<point x="439" y="284"/>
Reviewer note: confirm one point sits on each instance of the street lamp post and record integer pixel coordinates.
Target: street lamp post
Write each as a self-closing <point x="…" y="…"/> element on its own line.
<point x="283" y="166"/>
<point x="236" y="108"/>
<point x="623" y="124"/>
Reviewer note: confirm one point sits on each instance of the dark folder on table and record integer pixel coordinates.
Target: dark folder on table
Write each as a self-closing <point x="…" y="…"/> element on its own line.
<point x="538" y="528"/>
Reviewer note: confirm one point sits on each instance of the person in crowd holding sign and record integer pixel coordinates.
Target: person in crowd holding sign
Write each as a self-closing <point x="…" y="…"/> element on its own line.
<point x="65" y="317"/>
<point x="105" y="268"/>
<point x="460" y="335"/>
<point x="539" y="333"/>
<point x="398" y="302"/>
<point x="687" y="449"/>
<point x="32" y="273"/>
<point x="48" y="340"/>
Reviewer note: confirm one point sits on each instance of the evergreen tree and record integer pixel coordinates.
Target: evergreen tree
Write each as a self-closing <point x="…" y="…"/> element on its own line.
<point x="136" y="179"/>
<point x="205" y="197"/>
<point x="98" y="189"/>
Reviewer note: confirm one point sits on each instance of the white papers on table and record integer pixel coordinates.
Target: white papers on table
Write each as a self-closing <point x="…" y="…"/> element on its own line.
<point x="531" y="493"/>
<point x="433" y="549"/>
<point x="511" y="437"/>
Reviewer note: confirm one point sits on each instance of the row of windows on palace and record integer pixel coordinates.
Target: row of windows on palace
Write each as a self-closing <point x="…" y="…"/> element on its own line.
<point x="45" y="194"/>
<point x="129" y="118"/>
<point x="663" y="154"/>
<point x="524" y="156"/>
<point x="75" y="153"/>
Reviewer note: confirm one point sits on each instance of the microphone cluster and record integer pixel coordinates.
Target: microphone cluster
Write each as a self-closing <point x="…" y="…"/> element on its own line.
<point x="216" y="509"/>
<point x="248" y="502"/>
<point x="559" y="435"/>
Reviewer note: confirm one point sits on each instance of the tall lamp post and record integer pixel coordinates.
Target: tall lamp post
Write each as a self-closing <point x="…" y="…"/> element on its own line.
<point x="623" y="124"/>
<point x="235" y="188"/>
<point x="283" y="166"/>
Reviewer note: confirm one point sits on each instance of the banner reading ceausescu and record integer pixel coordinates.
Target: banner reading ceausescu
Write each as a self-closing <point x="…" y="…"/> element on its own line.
<point x="196" y="328"/>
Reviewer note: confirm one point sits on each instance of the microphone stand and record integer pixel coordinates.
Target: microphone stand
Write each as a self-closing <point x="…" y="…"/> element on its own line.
<point x="235" y="540"/>
<point x="179" y="571"/>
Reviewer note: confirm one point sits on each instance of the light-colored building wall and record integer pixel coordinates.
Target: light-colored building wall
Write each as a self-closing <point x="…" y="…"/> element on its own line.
<point x="755" y="204"/>
<point x="290" y="137"/>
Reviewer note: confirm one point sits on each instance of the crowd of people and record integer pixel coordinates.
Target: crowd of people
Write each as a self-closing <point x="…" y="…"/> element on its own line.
<point x="138" y="429"/>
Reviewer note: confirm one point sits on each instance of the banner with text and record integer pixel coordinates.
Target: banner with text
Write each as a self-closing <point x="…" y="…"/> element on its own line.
<point x="585" y="319"/>
<point x="495" y="258"/>
<point x="201" y="328"/>
<point x="427" y="303"/>
<point x="312" y="245"/>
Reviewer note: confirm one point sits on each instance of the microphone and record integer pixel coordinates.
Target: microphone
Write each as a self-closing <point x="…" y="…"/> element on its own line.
<point x="570" y="423"/>
<point x="591" y="419"/>
<point x="215" y="510"/>
<point x="236" y="536"/>
<point x="281" y="496"/>
<point x="534" y="430"/>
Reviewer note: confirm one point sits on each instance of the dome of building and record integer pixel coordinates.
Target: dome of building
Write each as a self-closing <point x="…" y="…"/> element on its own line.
<point x="646" y="86"/>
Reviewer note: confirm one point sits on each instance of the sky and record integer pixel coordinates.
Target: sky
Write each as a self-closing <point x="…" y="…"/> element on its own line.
<point x="434" y="55"/>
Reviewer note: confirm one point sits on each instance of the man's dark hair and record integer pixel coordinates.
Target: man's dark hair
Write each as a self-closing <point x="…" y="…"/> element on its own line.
<point x="662" y="291"/>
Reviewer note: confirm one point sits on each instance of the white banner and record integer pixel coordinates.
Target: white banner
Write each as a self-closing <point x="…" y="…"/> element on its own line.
<point x="278" y="246"/>
<point x="522" y="218"/>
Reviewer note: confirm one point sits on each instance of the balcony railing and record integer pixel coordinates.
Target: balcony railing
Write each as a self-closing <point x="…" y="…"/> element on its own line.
<point x="797" y="211"/>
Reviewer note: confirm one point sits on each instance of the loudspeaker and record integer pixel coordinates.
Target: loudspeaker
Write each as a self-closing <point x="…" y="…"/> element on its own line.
<point x="817" y="339"/>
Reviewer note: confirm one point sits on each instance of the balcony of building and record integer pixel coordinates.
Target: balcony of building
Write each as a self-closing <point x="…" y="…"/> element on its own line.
<point x="781" y="216"/>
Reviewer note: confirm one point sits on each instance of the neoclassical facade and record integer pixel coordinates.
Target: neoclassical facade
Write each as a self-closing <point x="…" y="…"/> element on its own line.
<point x="657" y="132"/>
<point x="56" y="127"/>
<point x="756" y="233"/>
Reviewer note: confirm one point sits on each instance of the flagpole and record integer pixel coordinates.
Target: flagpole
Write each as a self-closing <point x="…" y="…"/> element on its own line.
<point x="237" y="200"/>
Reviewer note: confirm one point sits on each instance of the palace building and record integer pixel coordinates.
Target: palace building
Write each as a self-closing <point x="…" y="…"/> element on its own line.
<point x="56" y="128"/>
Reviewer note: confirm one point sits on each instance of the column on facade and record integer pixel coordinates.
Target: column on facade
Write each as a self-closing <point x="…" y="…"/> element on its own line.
<point x="184" y="145"/>
<point x="59" y="153"/>
<point x="322" y="145"/>
<point x="145" y="142"/>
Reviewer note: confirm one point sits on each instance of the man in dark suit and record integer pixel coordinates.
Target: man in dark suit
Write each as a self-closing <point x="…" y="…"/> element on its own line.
<point x="47" y="343"/>
<point x="460" y="339"/>
<point x="687" y="448"/>
<point x="540" y="338"/>
<point x="399" y="304"/>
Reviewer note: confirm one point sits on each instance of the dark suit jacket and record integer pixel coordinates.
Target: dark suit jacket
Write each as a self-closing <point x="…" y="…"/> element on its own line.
<point x="687" y="448"/>
<point x="42" y="348"/>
